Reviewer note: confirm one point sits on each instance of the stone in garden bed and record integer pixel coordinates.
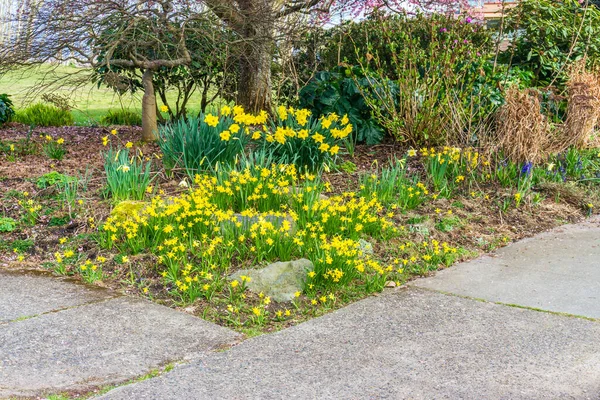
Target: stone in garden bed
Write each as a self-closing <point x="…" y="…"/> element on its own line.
<point x="365" y="247"/>
<point x="280" y="280"/>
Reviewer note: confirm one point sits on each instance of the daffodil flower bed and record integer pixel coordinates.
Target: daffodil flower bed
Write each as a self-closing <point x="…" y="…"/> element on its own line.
<point x="249" y="209"/>
<point x="199" y="238"/>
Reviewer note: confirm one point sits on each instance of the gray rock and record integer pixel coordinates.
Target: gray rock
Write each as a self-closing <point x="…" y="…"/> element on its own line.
<point x="279" y="280"/>
<point x="365" y="247"/>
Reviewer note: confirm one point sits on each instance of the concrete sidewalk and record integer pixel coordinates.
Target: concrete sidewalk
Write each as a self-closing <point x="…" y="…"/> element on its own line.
<point x="57" y="336"/>
<point x="558" y="271"/>
<point x="412" y="344"/>
<point x="430" y="341"/>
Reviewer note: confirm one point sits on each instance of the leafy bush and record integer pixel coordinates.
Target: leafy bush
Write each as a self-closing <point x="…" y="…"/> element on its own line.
<point x="43" y="115"/>
<point x="197" y="144"/>
<point x="127" y="177"/>
<point x="550" y="34"/>
<point x="340" y="91"/>
<point x="7" y="224"/>
<point x="6" y="109"/>
<point x="121" y="117"/>
<point x="296" y="137"/>
<point x="53" y="178"/>
<point x="382" y="36"/>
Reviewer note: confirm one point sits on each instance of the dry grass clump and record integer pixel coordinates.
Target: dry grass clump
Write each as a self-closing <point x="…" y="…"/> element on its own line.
<point x="524" y="133"/>
<point x="521" y="129"/>
<point x="583" y="108"/>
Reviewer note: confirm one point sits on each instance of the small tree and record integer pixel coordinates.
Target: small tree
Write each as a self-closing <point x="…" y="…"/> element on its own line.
<point x="207" y="44"/>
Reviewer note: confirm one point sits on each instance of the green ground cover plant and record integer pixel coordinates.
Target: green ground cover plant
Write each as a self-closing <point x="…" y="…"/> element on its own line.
<point x="121" y="117"/>
<point x="41" y="114"/>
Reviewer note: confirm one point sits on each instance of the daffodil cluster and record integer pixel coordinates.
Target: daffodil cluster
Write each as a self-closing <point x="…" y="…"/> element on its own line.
<point x="295" y="137"/>
<point x="449" y="166"/>
<point x="54" y="148"/>
<point x="422" y="258"/>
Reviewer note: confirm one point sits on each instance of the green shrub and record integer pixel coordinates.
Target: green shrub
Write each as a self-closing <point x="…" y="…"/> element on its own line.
<point x="193" y="145"/>
<point x="549" y="35"/>
<point x="127" y="176"/>
<point x="435" y="83"/>
<point x="383" y="36"/>
<point x="121" y="117"/>
<point x="7" y="224"/>
<point x="6" y="109"/>
<point x="340" y="91"/>
<point x="44" y="115"/>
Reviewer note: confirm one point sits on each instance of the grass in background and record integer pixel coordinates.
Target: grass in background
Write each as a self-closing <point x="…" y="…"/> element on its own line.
<point x="91" y="103"/>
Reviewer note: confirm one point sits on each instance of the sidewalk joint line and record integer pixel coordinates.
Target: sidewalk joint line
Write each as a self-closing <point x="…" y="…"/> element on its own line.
<point x="462" y="296"/>
<point x="27" y="317"/>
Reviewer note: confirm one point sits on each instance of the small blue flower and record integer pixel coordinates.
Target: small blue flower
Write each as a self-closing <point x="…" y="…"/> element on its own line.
<point x="527" y="167"/>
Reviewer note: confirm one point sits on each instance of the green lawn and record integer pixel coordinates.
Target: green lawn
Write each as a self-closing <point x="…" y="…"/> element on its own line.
<point x="91" y="102"/>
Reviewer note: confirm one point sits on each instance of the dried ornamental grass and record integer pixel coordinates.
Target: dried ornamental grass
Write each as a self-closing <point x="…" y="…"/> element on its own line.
<point x="522" y="129"/>
<point x="583" y="108"/>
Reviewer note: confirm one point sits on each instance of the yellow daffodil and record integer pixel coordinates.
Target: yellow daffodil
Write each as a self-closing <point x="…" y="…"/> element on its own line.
<point x="225" y="136"/>
<point x="211" y="120"/>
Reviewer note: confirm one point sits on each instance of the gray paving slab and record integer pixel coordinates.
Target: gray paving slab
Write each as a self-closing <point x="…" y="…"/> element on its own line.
<point x="97" y="344"/>
<point x="25" y="294"/>
<point x="410" y="344"/>
<point x="558" y="270"/>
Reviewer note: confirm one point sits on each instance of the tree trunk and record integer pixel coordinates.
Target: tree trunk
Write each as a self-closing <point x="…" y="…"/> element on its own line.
<point x="149" y="126"/>
<point x="254" y="87"/>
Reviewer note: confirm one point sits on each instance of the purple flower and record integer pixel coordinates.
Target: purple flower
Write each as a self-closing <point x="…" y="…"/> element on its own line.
<point x="526" y="170"/>
<point x="469" y="20"/>
<point x="443" y="30"/>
